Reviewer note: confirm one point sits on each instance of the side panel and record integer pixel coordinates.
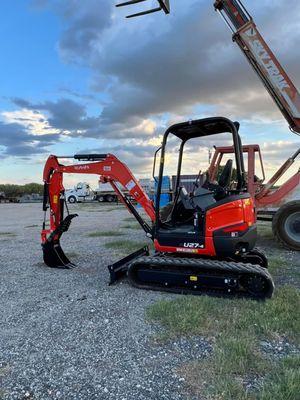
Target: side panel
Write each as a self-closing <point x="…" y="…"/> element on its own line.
<point x="225" y="215"/>
<point x="229" y="214"/>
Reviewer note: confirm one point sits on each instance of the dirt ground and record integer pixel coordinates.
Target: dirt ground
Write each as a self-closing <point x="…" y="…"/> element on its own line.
<point x="67" y="334"/>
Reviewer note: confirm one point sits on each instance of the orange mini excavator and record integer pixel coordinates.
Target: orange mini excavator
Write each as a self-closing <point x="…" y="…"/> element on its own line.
<point x="205" y="243"/>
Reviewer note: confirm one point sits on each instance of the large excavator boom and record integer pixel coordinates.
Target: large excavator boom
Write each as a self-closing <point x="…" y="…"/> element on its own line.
<point x="262" y="59"/>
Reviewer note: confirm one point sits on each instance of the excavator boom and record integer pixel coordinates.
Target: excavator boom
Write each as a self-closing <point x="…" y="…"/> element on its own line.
<point x="262" y="59"/>
<point x="110" y="170"/>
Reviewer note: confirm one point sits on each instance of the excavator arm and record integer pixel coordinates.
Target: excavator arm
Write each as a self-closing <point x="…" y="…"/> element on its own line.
<point x="110" y="170"/>
<point x="262" y="59"/>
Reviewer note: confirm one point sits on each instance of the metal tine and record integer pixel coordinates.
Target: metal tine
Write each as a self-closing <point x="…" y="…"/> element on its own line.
<point x="128" y="3"/>
<point x="163" y="5"/>
<point x="144" y="13"/>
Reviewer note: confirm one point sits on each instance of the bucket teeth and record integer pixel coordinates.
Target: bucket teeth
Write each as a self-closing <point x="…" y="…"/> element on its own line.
<point x="55" y="257"/>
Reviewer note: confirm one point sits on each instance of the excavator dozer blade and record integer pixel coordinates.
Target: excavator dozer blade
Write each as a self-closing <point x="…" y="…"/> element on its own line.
<point x="119" y="269"/>
<point x="55" y="257"/>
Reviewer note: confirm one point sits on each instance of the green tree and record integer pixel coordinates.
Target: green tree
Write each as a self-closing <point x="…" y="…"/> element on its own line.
<point x="11" y="190"/>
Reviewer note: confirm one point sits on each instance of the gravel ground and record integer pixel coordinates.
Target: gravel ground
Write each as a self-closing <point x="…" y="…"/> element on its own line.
<point x="67" y="334"/>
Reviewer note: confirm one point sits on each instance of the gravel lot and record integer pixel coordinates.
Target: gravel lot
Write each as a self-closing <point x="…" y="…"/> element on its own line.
<point x="67" y="334"/>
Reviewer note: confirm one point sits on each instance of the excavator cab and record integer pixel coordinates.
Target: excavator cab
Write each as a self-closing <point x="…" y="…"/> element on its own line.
<point x="183" y="221"/>
<point x="210" y="192"/>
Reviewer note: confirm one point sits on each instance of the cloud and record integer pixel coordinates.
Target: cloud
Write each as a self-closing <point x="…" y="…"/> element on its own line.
<point x="153" y="71"/>
<point x="193" y="62"/>
<point x="64" y="114"/>
<point x="34" y="121"/>
<point x="279" y="151"/>
<point x="85" y="23"/>
<point x="153" y="65"/>
<point x="71" y="118"/>
<point x="16" y="141"/>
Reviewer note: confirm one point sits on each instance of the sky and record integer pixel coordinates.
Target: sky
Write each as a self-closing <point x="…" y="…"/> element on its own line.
<point x="76" y="76"/>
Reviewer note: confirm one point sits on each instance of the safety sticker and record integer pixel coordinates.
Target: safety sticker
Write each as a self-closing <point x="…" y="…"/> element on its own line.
<point x="130" y="185"/>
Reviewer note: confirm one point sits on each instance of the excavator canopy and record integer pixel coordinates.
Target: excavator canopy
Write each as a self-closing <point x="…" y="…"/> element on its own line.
<point x="163" y="5"/>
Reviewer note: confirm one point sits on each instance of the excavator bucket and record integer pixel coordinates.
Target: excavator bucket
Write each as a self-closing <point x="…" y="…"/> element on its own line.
<point x="163" y="5"/>
<point x="54" y="255"/>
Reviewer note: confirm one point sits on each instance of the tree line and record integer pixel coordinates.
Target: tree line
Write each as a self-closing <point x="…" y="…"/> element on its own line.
<point x="19" y="190"/>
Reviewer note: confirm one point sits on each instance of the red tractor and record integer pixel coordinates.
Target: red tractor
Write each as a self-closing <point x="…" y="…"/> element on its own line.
<point x="279" y="205"/>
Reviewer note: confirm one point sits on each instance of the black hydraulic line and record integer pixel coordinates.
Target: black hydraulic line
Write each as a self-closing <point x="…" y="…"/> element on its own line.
<point x="45" y="196"/>
<point x="90" y="157"/>
<point x="131" y="208"/>
<point x="137" y="216"/>
<point x="239" y="156"/>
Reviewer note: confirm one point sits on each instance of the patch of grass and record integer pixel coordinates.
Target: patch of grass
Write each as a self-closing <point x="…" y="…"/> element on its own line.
<point x="11" y="234"/>
<point x="131" y="226"/>
<point x="265" y="231"/>
<point x="124" y="246"/>
<point x="283" y="382"/>
<point x="208" y="316"/>
<point x="105" y="210"/>
<point x="4" y="371"/>
<point x="2" y="394"/>
<point x="129" y="219"/>
<point x="276" y="264"/>
<point x="72" y="254"/>
<point x="236" y="328"/>
<point x="105" y="234"/>
<point x="32" y="226"/>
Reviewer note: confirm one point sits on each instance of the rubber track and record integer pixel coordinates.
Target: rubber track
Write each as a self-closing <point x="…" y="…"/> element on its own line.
<point x="213" y="267"/>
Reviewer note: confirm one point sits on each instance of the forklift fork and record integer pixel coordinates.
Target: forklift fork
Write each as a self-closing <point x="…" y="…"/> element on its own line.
<point x="163" y="5"/>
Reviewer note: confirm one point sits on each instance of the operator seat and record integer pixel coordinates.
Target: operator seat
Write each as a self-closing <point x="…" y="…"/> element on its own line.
<point x="225" y="178"/>
<point x="201" y="199"/>
<point x="219" y="188"/>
